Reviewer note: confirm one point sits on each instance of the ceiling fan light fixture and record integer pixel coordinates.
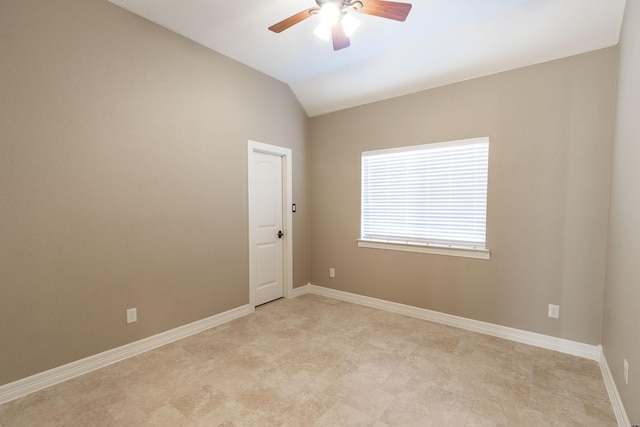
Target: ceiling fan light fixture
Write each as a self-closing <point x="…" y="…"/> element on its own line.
<point x="336" y="20"/>
<point x="329" y="14"/>
<point x="350" y="24"/>
<point x="323" y="31"/>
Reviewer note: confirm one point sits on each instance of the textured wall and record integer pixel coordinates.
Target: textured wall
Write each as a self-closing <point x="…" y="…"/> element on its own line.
<point x="621" y="336"/>
<point x="551" y="132"/>
<point x="123" y="179"/>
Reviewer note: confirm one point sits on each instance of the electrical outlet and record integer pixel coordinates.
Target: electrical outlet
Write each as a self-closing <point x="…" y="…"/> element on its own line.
<point x="132" y="315"/>
<point x="554" y="311"/>
<point x="626" y="371"/>
<point x="332" y="272"/>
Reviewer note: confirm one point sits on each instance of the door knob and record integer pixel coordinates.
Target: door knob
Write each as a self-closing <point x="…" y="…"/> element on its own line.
<point x="280" y="234"/>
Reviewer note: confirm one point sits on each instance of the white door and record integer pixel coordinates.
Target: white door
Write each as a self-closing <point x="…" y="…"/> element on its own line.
<point x="267" y="231"/>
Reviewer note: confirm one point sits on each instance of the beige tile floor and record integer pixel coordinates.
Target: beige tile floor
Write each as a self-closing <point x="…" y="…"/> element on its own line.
<point x="323" y="362"/>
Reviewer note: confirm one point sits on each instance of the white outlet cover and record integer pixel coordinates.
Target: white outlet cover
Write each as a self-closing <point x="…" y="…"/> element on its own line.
<point x="554" y="311"/>
<point x="132" y="315"/>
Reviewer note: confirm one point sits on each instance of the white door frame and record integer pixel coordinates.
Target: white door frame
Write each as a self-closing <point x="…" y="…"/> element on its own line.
<point x="287" y="217"/>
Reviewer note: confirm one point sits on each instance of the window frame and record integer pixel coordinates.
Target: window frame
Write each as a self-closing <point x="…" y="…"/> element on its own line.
<point x="449" y="248"/>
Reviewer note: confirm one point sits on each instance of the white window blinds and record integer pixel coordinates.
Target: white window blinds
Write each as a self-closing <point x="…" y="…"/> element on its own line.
<point x="432" y="194"/>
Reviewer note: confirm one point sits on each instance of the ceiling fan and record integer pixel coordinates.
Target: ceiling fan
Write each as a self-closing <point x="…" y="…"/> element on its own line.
<point x="337" y="22"/>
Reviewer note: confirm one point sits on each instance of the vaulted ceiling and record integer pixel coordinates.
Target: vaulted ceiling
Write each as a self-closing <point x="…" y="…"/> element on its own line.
<point x="441" y="42"/>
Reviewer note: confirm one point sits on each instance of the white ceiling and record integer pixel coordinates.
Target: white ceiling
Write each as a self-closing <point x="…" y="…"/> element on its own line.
<point x="441" y="42"/>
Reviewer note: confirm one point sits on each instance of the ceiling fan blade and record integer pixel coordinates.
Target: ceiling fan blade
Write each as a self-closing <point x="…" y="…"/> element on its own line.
<point x="340" y="39"/>
<point x="386" y="9"/>
<point x="292" y="20"/>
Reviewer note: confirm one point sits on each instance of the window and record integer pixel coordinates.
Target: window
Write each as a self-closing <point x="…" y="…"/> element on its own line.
<point x="427" y="198"/>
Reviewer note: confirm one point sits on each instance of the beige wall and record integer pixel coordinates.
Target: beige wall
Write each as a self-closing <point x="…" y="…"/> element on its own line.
<point x="551" y="131"/>
<point x="621" y="335"/>
<point x="123" y="179"/>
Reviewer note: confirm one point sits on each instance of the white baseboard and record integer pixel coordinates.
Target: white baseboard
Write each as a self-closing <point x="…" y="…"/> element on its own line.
<point x="614" y="396"/>
<point x="63" y="373"/>
<point x="539" y="340"/>
<point x="22" y="387"/>
<point x="300" y="290"/>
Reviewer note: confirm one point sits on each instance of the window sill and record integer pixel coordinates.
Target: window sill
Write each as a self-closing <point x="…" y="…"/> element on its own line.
<point x="436" y="250"/>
